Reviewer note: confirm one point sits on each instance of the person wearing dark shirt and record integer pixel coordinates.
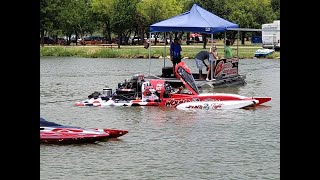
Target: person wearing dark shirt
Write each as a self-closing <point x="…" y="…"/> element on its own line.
<point x="200" y="61"/>
<point x="175" y="53"/>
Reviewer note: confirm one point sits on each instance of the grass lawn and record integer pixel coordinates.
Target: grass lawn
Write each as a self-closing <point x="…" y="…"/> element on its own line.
<point x="157" y="51"/>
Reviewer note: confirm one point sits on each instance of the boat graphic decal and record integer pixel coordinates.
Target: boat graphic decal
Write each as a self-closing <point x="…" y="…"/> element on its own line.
<point x="206" y="106"/>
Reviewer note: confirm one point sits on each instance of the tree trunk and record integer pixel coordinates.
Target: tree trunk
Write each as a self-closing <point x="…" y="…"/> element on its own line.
<point x="242" y="37"/>
<point x="204" y="39"/>
<point x="76" y="38"/>
<point x="42" y="38"/>
<point x="175" y="34"/>
<point x="181" y="35"/>
<point x="155" y="39"/>
<point x="119" y="39"/>
<point x="69" y="41"/>
<point x="170" y="38"/>
<point x="56" y="39"/>
<point x="142" y="36"/>
<point x="108" y="32"/>
<point x="188" y="38"/>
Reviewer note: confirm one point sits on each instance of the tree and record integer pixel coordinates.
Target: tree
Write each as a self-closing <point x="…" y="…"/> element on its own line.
<point x="275" y="4"/>
<point x="102" y="10"/>
<point x="122" y="13"/>
<point x="249" y="14"/>
<point x="49" y="10"/>
<point x="127" y="16"/>
<point x="75" y="17"/>
<point x="154" y="11"/>
<point x="214" y="6"/>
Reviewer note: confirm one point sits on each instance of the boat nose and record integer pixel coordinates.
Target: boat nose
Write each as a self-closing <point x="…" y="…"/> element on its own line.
<point x="79" y="104"/>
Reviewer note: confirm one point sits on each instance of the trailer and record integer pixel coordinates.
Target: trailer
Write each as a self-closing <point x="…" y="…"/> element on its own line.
<point x="271" y="35"/>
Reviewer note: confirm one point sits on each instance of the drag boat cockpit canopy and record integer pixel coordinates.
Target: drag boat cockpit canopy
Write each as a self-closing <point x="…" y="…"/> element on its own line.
<point x="188" y="79"/>
<point x="45" y="123"/>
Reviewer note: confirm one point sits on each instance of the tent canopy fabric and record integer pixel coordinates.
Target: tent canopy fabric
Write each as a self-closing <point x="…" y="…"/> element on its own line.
<point x="195" y="20"/>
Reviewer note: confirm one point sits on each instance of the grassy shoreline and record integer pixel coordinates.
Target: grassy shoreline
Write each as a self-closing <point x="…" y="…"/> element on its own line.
<point x="188" y="51"/>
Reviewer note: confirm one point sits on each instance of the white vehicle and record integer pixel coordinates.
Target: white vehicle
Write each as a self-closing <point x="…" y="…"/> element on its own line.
<point x="134" y="40"/>
<point x="271" y="35"/>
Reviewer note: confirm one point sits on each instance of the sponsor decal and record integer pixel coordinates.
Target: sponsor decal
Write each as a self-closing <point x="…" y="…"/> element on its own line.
<point x="175" y="102"/>
<point x="206" y="106"/>
<point x="226" y="67"/>
<point x="159" y="87"/>
<point x="230" y="71"/>
<point x="194" y="107"/>
<point x="65" y="130"/>
<point x="146" y="92"/>
<point x="218" y="69"/>
<point x="216" y="105"/>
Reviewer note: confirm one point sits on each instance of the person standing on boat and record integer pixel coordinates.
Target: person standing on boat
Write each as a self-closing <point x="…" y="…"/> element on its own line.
<point x="200" y="61"/>
<point x="175" y="53"/>
<point x="214" y="52"/>
<point x="228" y="50"/>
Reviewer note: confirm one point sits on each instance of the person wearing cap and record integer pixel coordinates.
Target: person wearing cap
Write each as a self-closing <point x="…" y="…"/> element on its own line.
<point x="200" y="61"/>
<point x="175" y="53"/>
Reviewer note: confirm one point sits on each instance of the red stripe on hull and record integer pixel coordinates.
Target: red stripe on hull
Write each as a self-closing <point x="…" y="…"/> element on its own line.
<point x="262" y="99"/>
<point x="114" y="133"/>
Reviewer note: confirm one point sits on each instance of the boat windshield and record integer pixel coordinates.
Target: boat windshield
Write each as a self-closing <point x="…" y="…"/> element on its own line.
<point x="46" y="123"/>
<point x="188" y="78"/>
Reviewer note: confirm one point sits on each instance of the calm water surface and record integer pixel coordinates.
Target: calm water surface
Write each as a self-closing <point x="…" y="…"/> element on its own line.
<point x="162" y="143"/>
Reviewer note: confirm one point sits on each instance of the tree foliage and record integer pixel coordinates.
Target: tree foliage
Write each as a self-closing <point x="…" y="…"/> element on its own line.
<point x="123" y="17"/>
<point x="275" y="4"/>
<point x="49" y="10"/>
<point x="102" y="10"/>
<point x="122" y="14"/>
<point x="154" y="10"/>
<point x="250" y="13"/>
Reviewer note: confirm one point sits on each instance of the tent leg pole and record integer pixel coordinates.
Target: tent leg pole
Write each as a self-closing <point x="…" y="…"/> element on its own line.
<point x="211" y="39"/>
<point x="225" y="38"/>
<point x="165" y="46"/>
<point x="149" y="51"/>
<point x="238" y="45"/>
<point x="211" y="69"/>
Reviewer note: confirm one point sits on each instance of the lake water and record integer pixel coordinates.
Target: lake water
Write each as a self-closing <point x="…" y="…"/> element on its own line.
<point x="162" y="143"/>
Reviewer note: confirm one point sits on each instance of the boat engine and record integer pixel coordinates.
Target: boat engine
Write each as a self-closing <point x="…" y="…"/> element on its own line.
<point x="131" y="89"/>
<point x="94" y="95"/>
<point x="107" y="91"/>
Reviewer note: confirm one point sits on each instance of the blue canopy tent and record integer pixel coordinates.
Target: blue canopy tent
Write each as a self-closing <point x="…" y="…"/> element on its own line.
<point x="195" y="20"/>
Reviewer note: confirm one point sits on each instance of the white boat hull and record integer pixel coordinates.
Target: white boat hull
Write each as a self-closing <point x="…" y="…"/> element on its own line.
<point x="215" y="105"/>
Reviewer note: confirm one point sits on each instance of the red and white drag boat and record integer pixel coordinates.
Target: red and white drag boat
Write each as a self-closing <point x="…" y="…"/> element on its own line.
<point x="139" y="92"/>
<point x="51" y="132"/>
